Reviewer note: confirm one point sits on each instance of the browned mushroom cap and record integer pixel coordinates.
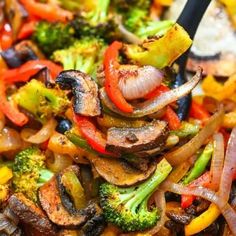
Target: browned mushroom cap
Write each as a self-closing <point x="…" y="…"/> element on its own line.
<point x="52" y="204"/>
<point x="29" y="213"/>
<point x="20" y="53"/>
<point x="119" y="172"/>
<point x="130" y="140"/>
<point x="84" y="89"/>
<point x="222" y="65"/>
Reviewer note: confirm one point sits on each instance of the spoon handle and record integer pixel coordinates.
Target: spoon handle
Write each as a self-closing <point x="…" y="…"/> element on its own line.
<point x="192" y="14"/>
<point x="190" y="19"/>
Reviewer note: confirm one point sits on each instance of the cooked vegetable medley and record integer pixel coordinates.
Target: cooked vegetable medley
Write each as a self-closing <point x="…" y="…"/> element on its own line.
<point x="92" y="137"/>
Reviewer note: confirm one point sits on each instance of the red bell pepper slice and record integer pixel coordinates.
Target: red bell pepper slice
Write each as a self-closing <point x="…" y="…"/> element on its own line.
<point x="29" y="69"/>
<point x="172" y="119"/>
<point x="27" y="30"/>
<point x="197" y="111"/>
<point x="226" y="136"/>
<point x="204" y="181"/>
<point x="111" y="77"/>
<point x="9" y="109"/>
<point x="6" y="36"/>
<point x="47" y="11"/>
<point x="44" y="145"/>
<point x="157" y="91"/>
<point x="91" y="134"/>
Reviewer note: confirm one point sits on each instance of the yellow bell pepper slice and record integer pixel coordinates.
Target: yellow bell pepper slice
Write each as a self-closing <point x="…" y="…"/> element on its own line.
<point x="219" y="91"/>
<point x="165" y="3"/>
<point x="60" y="144"/>
<point x="5" y="174"/>
<point x="203" y="221"/>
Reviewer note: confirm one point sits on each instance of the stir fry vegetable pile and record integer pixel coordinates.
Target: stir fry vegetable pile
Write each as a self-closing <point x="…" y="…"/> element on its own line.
<point x="91" y="142"/>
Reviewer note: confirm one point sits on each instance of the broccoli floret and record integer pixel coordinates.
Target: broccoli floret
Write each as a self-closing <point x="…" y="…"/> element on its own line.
<point x="153" y="28"/>
<point x="124" y="6"/>
<point x="135" y="15"/>
<point x="83" y="55"/>
<point x="40" y="101"/>
<point x="128" y="207"/>
<point x="99" y="22"/>
<point x="99" y="14"/>
<point x="136" y="18"/>
<point x="52" y="36"/>
<point x="160" y="51"/>
<point x="29" y="172"/>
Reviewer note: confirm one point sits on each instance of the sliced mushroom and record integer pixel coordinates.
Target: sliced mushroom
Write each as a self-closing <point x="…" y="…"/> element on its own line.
<point x="29" y="213"/>
<point x="177" y="214"/>
<point x="95" y="226"/>
<point x="119" y="172"/>
<point x="20" y="53"/>
<point x="131" y="140"/>
<point x="71" y="204"/>
<point x="52" y="204"/>
<point x="84" y="89"/>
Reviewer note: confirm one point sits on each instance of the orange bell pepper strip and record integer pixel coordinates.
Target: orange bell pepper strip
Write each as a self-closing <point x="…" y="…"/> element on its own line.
<point x="6" y="36"/>
<point x="172" y="119"/>
<point x="197" y="111"/>
<point x="204" y="181"/>
<point x="111" y="65"/>
<point x="47" y="11"/>
<point x="9" y="110"/>
<point x="27" y="30"/>
<point x="29" y="69"/>
<point x="91" y="134"/>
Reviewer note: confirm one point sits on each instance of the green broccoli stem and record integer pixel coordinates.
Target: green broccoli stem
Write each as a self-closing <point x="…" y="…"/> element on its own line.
<point x="154" y="28"/>
<point x="68" y="63"/>
<point x="44" y="176"/>
<point x="145" y="189"/>
<point x="200" y="165"/>
<point x="100" y="13"/>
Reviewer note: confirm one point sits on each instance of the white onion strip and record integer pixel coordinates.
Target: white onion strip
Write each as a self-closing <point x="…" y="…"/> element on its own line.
<point x="42" y="135"/>
<point x="226" y="210"/>
<point x="136" y="82"/>
<point x="229" y="168"/>
<point x="217" y="162"/>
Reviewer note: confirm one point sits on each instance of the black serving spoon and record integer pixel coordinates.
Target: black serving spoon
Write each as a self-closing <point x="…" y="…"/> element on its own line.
<point x="189" y="19"/>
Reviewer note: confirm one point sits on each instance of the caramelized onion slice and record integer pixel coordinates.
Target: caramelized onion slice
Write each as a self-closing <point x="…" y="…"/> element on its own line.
<point x="9" y="140"/>
<point x="42" y="135"/>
